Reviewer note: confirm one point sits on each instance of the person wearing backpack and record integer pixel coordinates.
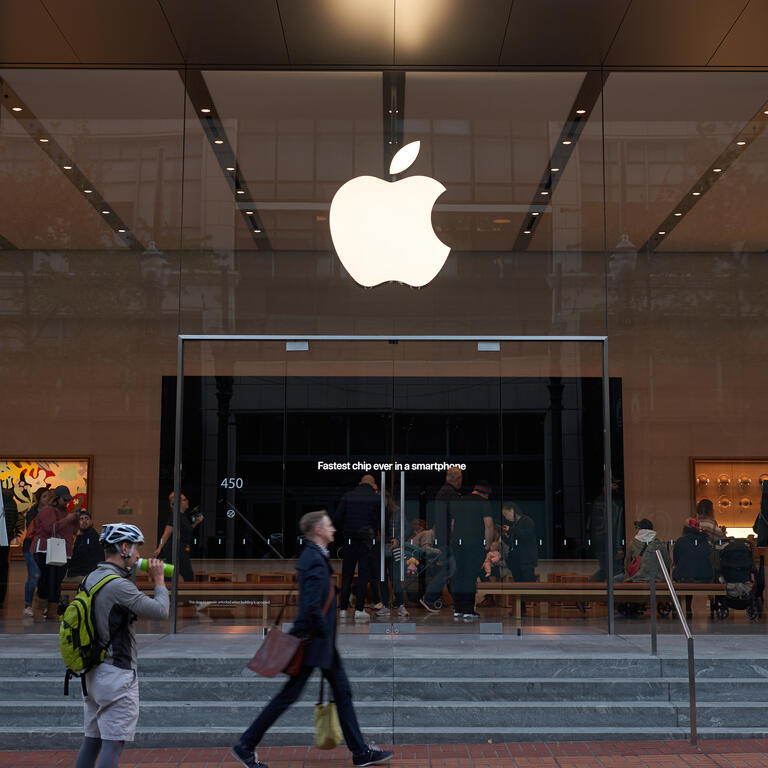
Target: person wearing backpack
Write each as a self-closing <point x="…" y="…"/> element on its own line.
<point x="111" y="695"/>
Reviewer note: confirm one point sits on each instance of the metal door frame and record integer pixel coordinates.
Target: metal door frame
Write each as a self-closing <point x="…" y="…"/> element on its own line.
<point x="177" y="450"/>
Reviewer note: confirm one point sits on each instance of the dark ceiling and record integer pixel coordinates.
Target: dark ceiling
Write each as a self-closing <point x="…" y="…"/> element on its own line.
<point x="385" y="33"/>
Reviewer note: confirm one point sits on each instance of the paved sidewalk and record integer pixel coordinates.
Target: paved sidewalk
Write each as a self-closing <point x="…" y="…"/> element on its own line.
<point x="742" y="753"/>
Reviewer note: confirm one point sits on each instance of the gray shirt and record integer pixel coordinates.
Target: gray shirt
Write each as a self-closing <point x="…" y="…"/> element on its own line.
<point x="115" y="608"/>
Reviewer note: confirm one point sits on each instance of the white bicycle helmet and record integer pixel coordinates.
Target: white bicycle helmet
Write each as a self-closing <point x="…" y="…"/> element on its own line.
<point x="114" y="533"/>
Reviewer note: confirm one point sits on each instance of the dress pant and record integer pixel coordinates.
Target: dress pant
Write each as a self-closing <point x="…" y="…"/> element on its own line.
<point x="357" y="554"/>
<point x="469" y="560"/>
<point x="442" y="574"/>
<point x="342" y="695"/>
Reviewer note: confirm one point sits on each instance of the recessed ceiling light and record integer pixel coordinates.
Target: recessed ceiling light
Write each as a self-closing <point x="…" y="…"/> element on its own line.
<point x="581" y="111"/>
<point x="717" y="170"/>
<point x="545" y="193"/>
<point x="105" y="212"/>
<point x="696" y="194"/>
<point x="249" y="213"/>
<point x="240" y="191"/>
<point x="230" y="168"/>
<point x="678" y="214"/>
<point x="205" y="110"/>
<point x="662" y="232"/>
<point x="526" y="231"/>
<point x="67" y="167"/>
<point x="44" y="141"/>
<point x="121" y="230"/>
<point x="741" y="143"/>
<point x="87" y="191"/>
<point x="218" y="141"/>
<point x="16" y="109"/>
<point x="566" y="143"/>
<point x="554" y="170"/>
<point x="257" y="231"/>
<point x="535" y="213"/>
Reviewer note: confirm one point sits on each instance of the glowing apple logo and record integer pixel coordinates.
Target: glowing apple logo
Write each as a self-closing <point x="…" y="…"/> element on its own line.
<point x="382" y="230"/>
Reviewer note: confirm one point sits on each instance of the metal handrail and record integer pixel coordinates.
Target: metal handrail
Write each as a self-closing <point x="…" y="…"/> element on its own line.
<point x="688" y="636"/>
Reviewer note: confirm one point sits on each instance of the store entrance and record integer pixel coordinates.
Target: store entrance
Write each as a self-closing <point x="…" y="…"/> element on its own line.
<point x="453" y="470"/>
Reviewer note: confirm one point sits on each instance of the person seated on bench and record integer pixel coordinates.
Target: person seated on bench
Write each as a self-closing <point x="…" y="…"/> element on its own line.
<point x="692" y="557"/>
<point x="644" y="545"/>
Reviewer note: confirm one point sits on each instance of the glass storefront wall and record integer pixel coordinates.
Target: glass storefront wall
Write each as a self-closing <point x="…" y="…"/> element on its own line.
<point x="137" y="205"/>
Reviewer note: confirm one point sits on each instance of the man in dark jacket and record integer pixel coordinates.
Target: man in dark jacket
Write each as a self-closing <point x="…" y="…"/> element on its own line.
<point x="315" y="580"/>
<point x="446" y="501"/>
<point x="87" y="551"/>
<point x="519" y="536"/>
<point x="692" y="558"/>
<point x="358" y="518"/>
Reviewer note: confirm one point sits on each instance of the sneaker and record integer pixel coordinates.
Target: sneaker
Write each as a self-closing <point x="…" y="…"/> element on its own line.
<point x="28" y="611"/>
<point x="246" y="757"/>
<point x="343" y="613"/>
<point x="402" y="611"/>
<point x="377" y="606"/>
<point x="362" y="616"/>
<point x="471" y="616"/>
<point x="431" y="607"/>
<point x="372" y="757"/>
<point x="458" y="615"/>
<point x="383" y="612"/>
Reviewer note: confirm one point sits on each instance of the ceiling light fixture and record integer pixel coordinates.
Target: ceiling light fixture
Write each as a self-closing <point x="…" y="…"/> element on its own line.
<point x="121" y="230"/>
<point x="678" y="214"/>
<point x="230" y="168"/>
<point x="554" y="170"/>
<point x="257" y="231"/>
<point x="566" y="143"/>
<point x="717" y="170"/>
<point x="240" y="191"/>
<point x="696" y="194"/>
<point x="545" y="193"/>
<point x="581" y="111"/>
<point x="662" y="232"/>
<point x="218" y="141"/>
<point x="16" y="109"/>
<point x="87" y="191"/>
<point x="67" y="167"/>
<point x="741" y="143"/>
<point x="535" y="213"/>
<point x="44" y="141"/>
<point x="765" y="112"/>
<point x="205" y="110"/>
<point x="105" y="212"/>
<point x="249" y="213"/>
<point x="526" y="231"/>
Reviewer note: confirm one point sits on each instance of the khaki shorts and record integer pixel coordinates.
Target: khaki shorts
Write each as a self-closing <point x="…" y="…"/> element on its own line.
<point x="111" y="708"/>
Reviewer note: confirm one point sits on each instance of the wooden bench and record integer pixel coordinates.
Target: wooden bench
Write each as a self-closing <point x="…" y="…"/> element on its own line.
<point x="591" y="591"/>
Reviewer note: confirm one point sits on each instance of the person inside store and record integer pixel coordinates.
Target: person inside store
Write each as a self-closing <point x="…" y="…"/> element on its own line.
<point x="357" y="517"/>
<point x="471" y="539"/>
<point x="598" y="529"/>
<point x="644" y="545"/>
<point x="392" y="554"/>
<point x="87" y="551"/>
<point x="705" y="512"/>
<point x="518" y="535"/>
<point x="692" y="558"/>
<point x="42" y="497"/>
<point x="188" y="521"/>
<point x="445" y="499"/>
<point x="52" y="520"/>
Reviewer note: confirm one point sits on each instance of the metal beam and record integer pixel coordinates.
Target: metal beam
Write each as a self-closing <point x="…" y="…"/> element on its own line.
<point x="205" y="109"/>
<point x="66" y="165"/>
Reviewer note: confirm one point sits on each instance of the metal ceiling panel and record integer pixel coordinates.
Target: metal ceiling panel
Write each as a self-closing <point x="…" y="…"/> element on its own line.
<point x="339" y="32"/>
<point x="745" y="44"/>
<point x="557" y="33"/>
<point x="28" y="35"/>
<point x="116" y="32"/>
<point x="450" y="32"/>
<point x="228" y="32"/>
<point x="667" y="34"/>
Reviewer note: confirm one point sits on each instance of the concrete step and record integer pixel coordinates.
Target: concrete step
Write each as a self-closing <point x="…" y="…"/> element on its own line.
<point x="258" y="690"/>
<point x="147" y="737"/>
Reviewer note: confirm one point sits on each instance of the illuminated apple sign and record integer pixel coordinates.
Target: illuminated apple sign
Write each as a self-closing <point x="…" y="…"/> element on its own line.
<point x="382" y="230"/>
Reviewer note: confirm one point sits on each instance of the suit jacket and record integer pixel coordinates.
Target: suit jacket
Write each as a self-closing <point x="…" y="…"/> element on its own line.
<point x="314" y="574"/>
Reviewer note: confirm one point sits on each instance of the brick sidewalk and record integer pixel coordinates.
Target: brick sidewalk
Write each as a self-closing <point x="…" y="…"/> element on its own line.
<point x="742" y="753"/>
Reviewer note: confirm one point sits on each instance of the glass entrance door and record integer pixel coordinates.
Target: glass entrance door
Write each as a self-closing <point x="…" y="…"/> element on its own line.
<point x="456" y="472"/>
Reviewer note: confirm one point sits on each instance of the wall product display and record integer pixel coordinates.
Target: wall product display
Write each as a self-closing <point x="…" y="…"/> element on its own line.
<point x="736" y="491"/>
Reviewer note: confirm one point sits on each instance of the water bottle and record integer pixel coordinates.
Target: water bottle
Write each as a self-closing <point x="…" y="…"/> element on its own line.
<point x="167" y="567"/>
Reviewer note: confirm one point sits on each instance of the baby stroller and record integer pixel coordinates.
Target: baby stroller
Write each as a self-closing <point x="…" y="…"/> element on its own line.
<point x="743" y="582"/>
<point x="417" y="560"/>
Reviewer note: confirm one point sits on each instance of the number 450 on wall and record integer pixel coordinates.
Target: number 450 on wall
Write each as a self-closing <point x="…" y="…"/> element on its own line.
<point x="232" y="482"/>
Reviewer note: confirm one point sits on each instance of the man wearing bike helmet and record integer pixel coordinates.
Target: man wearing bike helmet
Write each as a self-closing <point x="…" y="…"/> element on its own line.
<point x="112" y="704"/>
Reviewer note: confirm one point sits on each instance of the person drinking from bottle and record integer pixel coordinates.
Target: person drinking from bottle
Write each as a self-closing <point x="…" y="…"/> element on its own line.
<point x="111" y="707"/>
<point x="316" y="584"/>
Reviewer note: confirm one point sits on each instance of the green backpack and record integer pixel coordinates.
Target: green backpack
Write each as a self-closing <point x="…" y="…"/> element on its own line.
<point x="80" y="647"/>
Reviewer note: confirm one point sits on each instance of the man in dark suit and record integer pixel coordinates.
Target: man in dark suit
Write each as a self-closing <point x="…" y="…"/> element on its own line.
<point x="315" y="581"/>
<point x="358" y="518"/>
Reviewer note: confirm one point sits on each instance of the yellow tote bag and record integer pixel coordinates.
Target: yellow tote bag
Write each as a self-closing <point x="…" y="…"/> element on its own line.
<point x="327" y="728"/>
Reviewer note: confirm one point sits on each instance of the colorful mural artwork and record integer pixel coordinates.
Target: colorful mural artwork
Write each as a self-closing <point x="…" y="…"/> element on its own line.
<point x="20" y="478"/>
